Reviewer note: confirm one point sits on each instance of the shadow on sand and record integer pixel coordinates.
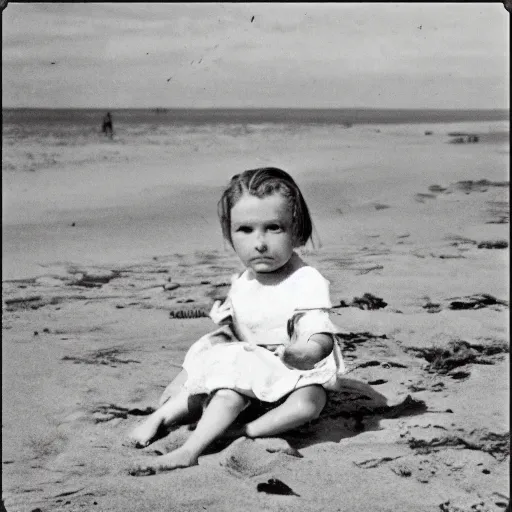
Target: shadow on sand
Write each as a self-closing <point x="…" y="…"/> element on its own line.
<point x="354" y="409"/>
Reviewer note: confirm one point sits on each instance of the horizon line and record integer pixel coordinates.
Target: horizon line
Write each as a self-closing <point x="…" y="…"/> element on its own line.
<point x="264" y="108"/>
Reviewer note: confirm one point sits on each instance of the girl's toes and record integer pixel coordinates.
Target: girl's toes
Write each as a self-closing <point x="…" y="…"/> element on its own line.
<point x="141" y="470"/>
<point x="132" y="442"/>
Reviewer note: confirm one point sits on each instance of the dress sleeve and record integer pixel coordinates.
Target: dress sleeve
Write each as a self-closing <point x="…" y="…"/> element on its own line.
<point x="222" y="314"/>
<point x="304" y="323"/>
<point x="311" y="315"/>
<point x="311" y="290"/>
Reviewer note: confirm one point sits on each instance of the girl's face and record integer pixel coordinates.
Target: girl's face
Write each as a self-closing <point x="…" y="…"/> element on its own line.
<point x="262" y="232"/>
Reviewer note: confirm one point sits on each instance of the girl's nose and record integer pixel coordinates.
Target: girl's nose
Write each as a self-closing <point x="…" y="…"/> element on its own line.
<point x="261" y="243"/>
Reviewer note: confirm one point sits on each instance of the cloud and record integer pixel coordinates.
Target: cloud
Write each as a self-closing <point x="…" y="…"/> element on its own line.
<point x="131" y="49"/>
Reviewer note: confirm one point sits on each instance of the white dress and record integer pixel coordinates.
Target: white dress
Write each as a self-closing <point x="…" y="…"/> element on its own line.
<point x="244" y="356"/>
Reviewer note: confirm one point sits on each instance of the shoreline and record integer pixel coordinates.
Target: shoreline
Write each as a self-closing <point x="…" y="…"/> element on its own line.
<point x="247" y="116"/>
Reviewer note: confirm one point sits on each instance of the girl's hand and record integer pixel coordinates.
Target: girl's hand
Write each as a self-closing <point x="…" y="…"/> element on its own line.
<point x="221" y="312"/>
<point x="280" y="351"/>
<point x="304" y="355"/>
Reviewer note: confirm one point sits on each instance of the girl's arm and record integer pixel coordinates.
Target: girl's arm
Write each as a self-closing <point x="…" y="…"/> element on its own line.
<point x="221" y="312"/>
<point x="303" y="355"/>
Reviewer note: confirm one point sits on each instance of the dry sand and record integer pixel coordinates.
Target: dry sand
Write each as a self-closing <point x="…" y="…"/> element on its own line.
<point x="89" y="342"/>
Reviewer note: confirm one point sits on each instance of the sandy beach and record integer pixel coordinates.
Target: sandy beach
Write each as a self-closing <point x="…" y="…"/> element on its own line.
<point x="96" y="232"/>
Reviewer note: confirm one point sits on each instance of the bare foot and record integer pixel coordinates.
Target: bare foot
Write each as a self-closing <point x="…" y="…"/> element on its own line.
<point x="142" y="435"/>
<point x="180" y="458"/>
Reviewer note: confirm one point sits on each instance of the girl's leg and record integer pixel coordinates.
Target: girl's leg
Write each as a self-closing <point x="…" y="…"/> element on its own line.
<point x="175" y="409"/>
<point x="303" y="405"/>
<point x="220" y="413"/>
<point x="173" y="388"/>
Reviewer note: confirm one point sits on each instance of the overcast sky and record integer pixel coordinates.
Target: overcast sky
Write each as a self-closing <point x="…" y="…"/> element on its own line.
<point x="416" y="55"/>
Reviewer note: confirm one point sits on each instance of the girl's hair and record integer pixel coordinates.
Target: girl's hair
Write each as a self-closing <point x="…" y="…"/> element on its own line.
<point x="264" y="182"/>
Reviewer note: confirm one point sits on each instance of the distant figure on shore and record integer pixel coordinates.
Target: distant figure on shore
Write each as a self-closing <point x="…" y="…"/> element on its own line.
<point x="107" y="128"/>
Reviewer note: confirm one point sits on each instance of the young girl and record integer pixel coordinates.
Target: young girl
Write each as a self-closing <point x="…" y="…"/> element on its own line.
<point x="276" y="341"/>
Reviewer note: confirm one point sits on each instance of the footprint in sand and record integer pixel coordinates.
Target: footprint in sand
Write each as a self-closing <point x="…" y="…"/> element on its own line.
<point x="107" y="412"/>
<point x="499" y="212"/>
<point x="106" y="356"/>
<point x="247" y="457"/>
<point x="95" y="279"/>
<point x="421" y="197"/>
<point x="483" y="185"/>
<point x="466" y="187"/>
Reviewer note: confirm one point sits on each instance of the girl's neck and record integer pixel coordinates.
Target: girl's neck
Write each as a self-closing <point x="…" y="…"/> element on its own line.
<point x="278" y="276"/>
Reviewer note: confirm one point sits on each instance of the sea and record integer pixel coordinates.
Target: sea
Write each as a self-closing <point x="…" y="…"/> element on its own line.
<point x="91" y="118"/>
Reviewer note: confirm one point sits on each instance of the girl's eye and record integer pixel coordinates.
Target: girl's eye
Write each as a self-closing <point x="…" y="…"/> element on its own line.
<point x="244" y="229"/>
<point x="274" y="227"/>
